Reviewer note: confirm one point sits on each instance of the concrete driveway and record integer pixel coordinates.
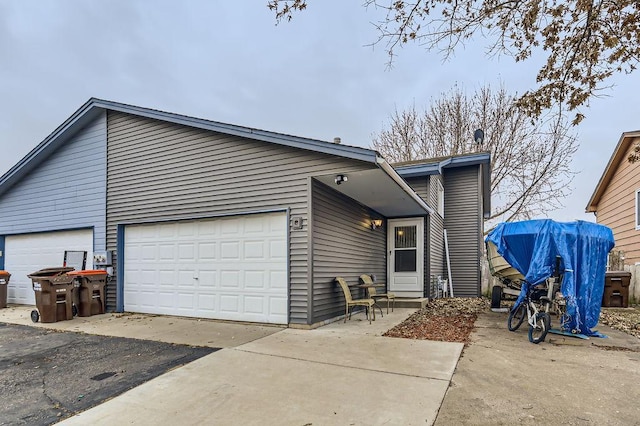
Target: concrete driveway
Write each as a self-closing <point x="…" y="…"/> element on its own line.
<point x="350" y="374"/>
<point x="338" y="374"/>
<point x="502" y="379"/>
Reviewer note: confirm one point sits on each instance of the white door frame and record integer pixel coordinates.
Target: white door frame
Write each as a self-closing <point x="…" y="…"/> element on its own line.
<point x="408" y="283"/>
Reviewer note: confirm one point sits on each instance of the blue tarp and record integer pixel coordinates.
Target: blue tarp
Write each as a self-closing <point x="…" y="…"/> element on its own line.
<point x="531" y="247"/>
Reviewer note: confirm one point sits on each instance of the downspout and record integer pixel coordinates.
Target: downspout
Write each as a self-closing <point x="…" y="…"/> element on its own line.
<point x="391" y="172"/>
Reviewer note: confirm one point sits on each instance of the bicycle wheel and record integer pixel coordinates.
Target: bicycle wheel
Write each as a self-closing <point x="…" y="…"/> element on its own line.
<point x="538" y="331"/>
<point x="516" y="317"/>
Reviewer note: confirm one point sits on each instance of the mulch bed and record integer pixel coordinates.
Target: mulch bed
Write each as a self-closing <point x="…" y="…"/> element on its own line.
<point x="452" y="328"/>
<point x="452" y="320"/>
<point x="445" y="320"/>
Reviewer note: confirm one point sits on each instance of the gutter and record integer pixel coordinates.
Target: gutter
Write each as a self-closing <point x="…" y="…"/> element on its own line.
<point x="391" y="172"/>
<point x="443" y="164"/>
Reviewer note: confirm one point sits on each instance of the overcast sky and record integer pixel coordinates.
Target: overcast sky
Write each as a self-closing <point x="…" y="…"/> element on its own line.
<point x="227" y="61"/>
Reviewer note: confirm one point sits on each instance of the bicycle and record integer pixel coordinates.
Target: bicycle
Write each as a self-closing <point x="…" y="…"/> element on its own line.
<point x="539" y="320"/>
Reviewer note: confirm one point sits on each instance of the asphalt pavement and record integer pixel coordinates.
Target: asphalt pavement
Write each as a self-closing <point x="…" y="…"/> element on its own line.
<point x="47" y="375"/>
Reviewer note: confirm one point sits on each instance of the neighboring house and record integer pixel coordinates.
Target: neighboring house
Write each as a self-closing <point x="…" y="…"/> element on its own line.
<point x="616" y="202"/>
<point x="211" y="220"/>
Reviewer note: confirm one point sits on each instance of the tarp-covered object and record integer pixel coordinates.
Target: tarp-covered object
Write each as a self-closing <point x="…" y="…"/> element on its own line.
<point x="532" y="246"/>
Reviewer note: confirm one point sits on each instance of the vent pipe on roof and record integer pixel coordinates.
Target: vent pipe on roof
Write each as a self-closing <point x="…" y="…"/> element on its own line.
<point x="337" y="141"/>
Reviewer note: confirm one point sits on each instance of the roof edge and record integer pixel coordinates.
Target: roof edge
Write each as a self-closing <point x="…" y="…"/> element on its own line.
<point x="347" y="151"/>
<point x="607" y="174"/>
<point x="393" y="174"/>
<point x="436" y="165"/>
<point x="64" y="128"/>
<point x="94" y="106"/>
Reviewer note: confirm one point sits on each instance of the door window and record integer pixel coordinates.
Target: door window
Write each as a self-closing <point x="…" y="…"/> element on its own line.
<point x="405" y="248"/>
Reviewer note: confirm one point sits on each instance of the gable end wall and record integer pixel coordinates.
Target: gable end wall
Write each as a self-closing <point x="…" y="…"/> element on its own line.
<point x="66" y="191"/>
<point x="616" y="208"/>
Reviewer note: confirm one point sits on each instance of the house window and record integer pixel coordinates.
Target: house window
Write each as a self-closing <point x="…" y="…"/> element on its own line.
<point x="637" y="209"/>
<point x="440" y="198"/>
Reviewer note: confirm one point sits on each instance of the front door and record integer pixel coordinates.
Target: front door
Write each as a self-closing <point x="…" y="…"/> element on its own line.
<point x="406" y="257"/>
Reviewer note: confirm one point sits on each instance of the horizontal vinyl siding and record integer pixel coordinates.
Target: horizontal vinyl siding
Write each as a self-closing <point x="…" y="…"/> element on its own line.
<point x="436" y="230"/>
<point x="66" y="191"/>
<point x="343" y="245"/>
<point x="422" y="187"/>
<point x="462" y="220"/>
<point x="159" y="171"/>
<point x="616" y="209"/>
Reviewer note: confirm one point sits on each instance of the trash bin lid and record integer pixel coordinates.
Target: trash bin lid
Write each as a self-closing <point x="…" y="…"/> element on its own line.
<point x="617" y="274"/>
<point x="87" y="272"/>
<point x="47" y="272"/>
<point x="5" y="273"/>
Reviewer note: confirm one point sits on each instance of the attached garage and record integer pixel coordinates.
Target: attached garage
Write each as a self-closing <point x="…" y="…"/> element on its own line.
<point x="202" y="219"/>
<point x="232" y="268"/>
<point x="27" y="253"/>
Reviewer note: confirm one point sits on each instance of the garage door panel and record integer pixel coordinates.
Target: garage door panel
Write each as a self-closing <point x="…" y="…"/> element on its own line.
<point x="229" y="303"/>
<point x="207" y="251"/>
<point x="28" y="253"/>
<point x="166" y="277"/>
<point x="187" y="229"/>
<point x="278" y="280"/>
<point x="186" y="251"/>
<point x="228" y="268"/>
<point x="185" y="278"/>
<point x="254" y="305"/>
<point x="254" y="250"/>
<point x="230" y="279"/>
<point x="207" y="303"/>
<point x="186" y="302"/>
<point x="166" y="252"/>
<point x="208" y="280"/>
<point x="254" y="280"/>
<point x="230" y="250"/>
<point x="207" y="228"/>
<point x="278" y="305"/>
<point x="277" y="249"/>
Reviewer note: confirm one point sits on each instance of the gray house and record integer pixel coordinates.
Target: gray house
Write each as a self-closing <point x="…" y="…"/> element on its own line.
<point x="205" y="219"/>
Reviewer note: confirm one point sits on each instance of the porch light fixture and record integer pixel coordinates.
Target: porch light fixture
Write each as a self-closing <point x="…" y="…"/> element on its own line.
<point x="376" y="223"/>
<point x="341" y="178"/>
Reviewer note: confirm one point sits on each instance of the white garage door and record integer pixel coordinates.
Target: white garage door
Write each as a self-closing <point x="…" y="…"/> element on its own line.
<point x="229" y="268"/>
<point x="28" y="253"/>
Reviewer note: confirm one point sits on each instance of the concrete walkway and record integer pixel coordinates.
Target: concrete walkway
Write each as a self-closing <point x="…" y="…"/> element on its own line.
<point x="337" y="374"/>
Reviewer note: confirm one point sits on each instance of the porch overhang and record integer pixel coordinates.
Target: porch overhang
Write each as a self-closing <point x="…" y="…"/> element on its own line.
<point x="382" y="189"/>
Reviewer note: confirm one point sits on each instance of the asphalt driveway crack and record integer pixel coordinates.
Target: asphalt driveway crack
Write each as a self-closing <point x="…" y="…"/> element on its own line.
<point x="47" y="376"/>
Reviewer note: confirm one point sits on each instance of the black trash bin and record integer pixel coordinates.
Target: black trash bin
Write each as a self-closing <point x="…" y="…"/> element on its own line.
<point x="89" y="290"/>
<point x="53" y="289"/>
<point x="4" y="282"/>
<point x="616" y="289"/>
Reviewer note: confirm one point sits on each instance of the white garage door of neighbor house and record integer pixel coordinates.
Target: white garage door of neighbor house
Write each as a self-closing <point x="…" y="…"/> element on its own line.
<point x="28" y="253"/>
<point x="228" y="268"/>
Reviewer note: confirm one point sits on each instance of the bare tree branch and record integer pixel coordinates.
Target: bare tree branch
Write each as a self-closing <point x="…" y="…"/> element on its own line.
<point x="585" y="41"/>
<point x="530" y="159"/>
